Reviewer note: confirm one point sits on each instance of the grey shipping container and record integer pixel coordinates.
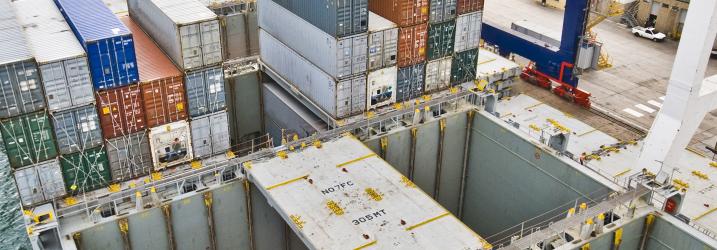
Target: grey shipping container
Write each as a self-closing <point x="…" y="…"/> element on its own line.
<point x="338" y="18"/>
<point x="442" y="10"/>
<point x="185" y="29"/>
<point x="210" y="135"/>
<point x="77" y="129"/>
<point x="61" y="58"/>
<point x="410" y="82"/>
<point x="286" y="116"/>
<point x="468" y="28"/>
<point x="241" y="34"/>
<point x="40" y="182"/>
<point x="441" y="39"/>
<point x="438" y="74"/>
<point x="339" y="99"/>
<point x="205" y="91"/>
<point x="382" y="42"/>
<point x="339" y="57"/>
<point x="129" y="156"/>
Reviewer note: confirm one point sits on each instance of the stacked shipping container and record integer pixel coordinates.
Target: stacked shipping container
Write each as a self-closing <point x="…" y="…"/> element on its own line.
<point x="383" y="72"/>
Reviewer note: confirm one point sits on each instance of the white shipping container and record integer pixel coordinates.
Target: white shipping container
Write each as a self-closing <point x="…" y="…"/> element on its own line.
<point x="382" y="87"/>
<point x="60" y="57"/>
<point x="438" y="74"/>
<point x="363" y="202"/>
<point x="171" y="144"/>
<point x="338" y="98"/>
<point x="382" y="42"/>
<point x="210" y="135"/>
<point x="339" y="57"/>
<point x="493" y="67"/>
<point x="40" y="182"/>
<point x="185" y="29"/>
<point x="468" y="28"/>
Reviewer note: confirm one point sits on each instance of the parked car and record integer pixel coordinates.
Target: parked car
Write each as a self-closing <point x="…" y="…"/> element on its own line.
<point x="648" y="33"/>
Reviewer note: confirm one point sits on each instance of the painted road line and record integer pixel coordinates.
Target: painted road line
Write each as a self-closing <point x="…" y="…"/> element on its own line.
<point x="645" y="108"/>
<point x="655" y="103"/>
<point x="633" y="112"/>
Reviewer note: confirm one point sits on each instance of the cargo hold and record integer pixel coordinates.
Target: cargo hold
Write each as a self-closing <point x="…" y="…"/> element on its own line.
<point x="121" y="111"/>
<point x="402" y="12"/>
<point x="412" y="45"/>
<point x="85" y="171"/>
<point x="170" y="145"/>
<point x="40" y="182"/>
<point x="77" y="129"/>
<point x="382" y="87"/>
<point x="338" y="18"/>
<point x="339" y="57"/>
<point x="28" y="139"/>
<point x="286" y="116"/>
<point x="129" y="156"/>
<point x="205" y="91"/>
<point x="382" y="42"/>
<point x="107" y="42"/>
<point x="185" y="29"/>
<point x="210" y="135"/>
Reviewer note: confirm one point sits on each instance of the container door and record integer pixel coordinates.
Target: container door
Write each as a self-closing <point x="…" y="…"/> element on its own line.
<point x="215" y="89"/>
<point x="343" y="18"/>
<point x="29" y="187"/>
<point x="51" y="178"/>
<point x="220" y="133"/>
<point x="359" y="54"/>
<point x="343" y="98"/>
<point x="29" y="86"/>
<point x="437" y="13"/>
<point x="42" y="139"/>
<point x="90" y="133"/>
<point x="344" y="58"/>
<point x="102" y="65"/>
<point x="449" y="9"/>
<point x="390" y="47"/>
<point x="358" y="95"/>
<point x="191" y="46"/>
<point x="8" y="99"/>
<point x="445" y="72"/>
<point x="66" y="132"/>
<point x="201" y="137"/>
<point x="417" y="80"/>
<point x="360" y="16"/>
<point x="432" y="76"/>
<point x="56" y="87"/>
<point x="375" y="50"/>
<point x="196" y="94"/>
<point x="17" y="142"/>
<point x="80" y="83"/>
<point x="211" y="43"/>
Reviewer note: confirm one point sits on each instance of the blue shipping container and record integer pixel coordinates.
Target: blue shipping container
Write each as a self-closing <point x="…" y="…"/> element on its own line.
<point x="107" y="41"/>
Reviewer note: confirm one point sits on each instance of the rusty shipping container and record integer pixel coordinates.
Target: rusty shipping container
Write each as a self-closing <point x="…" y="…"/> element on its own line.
<point x="161" y="82"/>
<point x="121" y="111"/>
<point x="468" y="6"/>
<point x="402" y="12"/>
<point x="412" y="45"/>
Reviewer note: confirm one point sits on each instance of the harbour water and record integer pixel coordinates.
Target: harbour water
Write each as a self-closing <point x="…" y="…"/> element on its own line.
<point x="12" y="228"/>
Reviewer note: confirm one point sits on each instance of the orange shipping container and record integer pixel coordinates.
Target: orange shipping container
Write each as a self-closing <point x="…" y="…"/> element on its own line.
<point x="402" y="12"/>
<point x="467" y="6"/>
<point x="161" y="82"/>
<point x="412" y="45"/>
<point x="121" y="111"/>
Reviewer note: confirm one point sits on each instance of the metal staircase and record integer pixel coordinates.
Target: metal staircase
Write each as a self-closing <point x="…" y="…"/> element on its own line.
<point x="630" y="14"/>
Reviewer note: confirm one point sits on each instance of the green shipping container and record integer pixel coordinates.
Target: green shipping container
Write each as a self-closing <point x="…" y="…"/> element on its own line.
<point x="464" y="67"/>
<point x="86" y="171"/>
<point x="28" y="139"/>
<point x="441" y="37"/>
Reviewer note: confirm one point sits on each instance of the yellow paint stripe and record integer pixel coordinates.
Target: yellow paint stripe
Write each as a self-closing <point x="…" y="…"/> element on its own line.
<point x="588" y="132"/>
<point x="487" y="61"/>
<point x="287" y="182"/>
<point x="534" y="105"/>
<point x="366" y="245"/>
<point x="506" y="115"/>
<point x="695" y="151"/>
<point x="427" y="221"/>
<point x="705" y="214"/>
<point x="356" y="160"/>
<point x="623" y="172"/>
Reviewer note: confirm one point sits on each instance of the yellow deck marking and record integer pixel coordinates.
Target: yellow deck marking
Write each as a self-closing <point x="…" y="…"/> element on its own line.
<point x="695" y="151"/>
<point x="356" y="160"/>
<point x="287" y="182"/>
<point x="366" y="245"/>
<point x="534" y="105"/>
<point x="704" y="214"/>
<point x="588" y="132"/>
<point x="623" y="172"/>
<point x="427" y="221"/>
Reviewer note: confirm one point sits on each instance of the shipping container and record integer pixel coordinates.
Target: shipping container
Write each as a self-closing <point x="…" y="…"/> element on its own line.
<point x="185" y="29"/>
<point x="210" y="135"/>
<point x="60" y="58"/>
<point x="162" y="84"/>
<point x="382" y="87"/>
<point x="493" y="67"/>
<point x="442" y="10"/>
<point x="170" y="145"/>
<point x="468" y="28"/>
<point x="286" y="116"/>
<point x="39" y="183"/>
<point x="339" y="57"/>
<point x="108" y="43"/>
<point x="438" y="74"/>
<point x="77" y="129"/>
<point x="441" y="39"/>
<point x="121" y="111"/>
<point x="240" y="33"/>
<point x="464" y="66"/>
<point x="467" y="6"/>
<point x="339" y="99"/>
<point x="129" y="156"/>
<point x="412" y="45"/>
<point x="402" y="12"/>
<point x="85" y="171"/>
<point x="28" y="139"/>
<point x="338" y="18"/>
<point x="205" y="91"/>
<point x="410" y="82"/>
<point x="382" y="42"/>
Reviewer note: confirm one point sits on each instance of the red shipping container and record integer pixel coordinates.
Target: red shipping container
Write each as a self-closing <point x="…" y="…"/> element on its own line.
<point x="468" y="6"/>
<point x="161" y="82"/>
<point x="121" y="111"/>
<point x="412" y="45"/>
<point x="402" y="12"/>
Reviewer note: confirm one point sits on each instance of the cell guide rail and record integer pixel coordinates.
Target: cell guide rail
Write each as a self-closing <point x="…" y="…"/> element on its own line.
<point x="341" y="195"/>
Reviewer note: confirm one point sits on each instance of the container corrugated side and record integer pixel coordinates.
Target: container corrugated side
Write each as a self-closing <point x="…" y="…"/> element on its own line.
<point x="402" y="12"/>
<point x="185" y="29"/>
<point x="39" y="183"/>
<point x="284" y="113"/>
<point x="170" y="144"/>
<point x="61" y="59"/>
<point x="339" y="57"/>
<point x="77" y="129"/>
<point x="438" y="74"/>
<point x="463" y="68"/>
<point x="412" y="45"/>
<point x="442" y="10"/>
<point x="466" y="6"/>
<point x="468" y="28"/>
<point x="205" y="91"/>
<point x="28" y="139"/>
<point x="108" y="43"/>
<point x="333" y="97"/>
<point x="12" y="38"/>
<point x="86" y="171"/>
<point x="121" y="111"/>
<point x="382" y="42"/>
<point x="382" y="87"/>
<point x="410" y="82"/>
<point x="129" y="156"/>
<point x="441" y="39"/>
<point x="338" y="18"/>
<point x="210" y="135"/>
<point x="20" y="88"/>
